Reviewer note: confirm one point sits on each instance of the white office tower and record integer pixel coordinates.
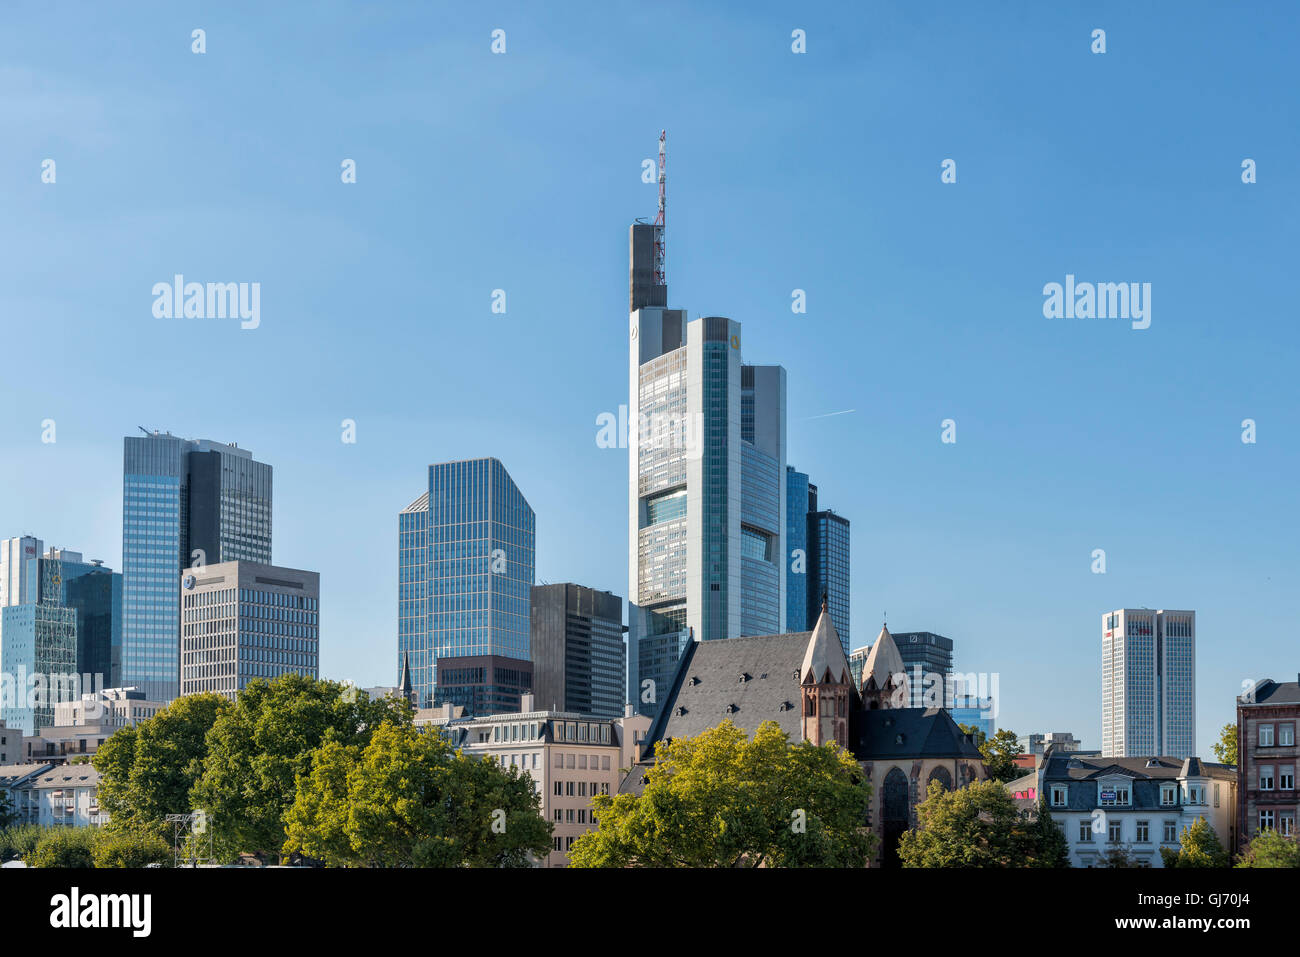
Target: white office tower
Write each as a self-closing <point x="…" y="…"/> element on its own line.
<point x="1148" y="683"/>
<point x="14" y="556"/>
<point x="706" y="517"/>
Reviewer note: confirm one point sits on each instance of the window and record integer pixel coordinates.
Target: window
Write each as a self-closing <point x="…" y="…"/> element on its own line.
<point x="1216" y="794"/>
<point x="1286" y="735"/>
<point x="1168" y="795"/>
<point x="568" y="815"/>
<point x="1085" y="829"/>
<point x="559" y="789"/>
<point x="559" y="759"/>
<point x="1266" y="736"/>
<point x="1114" y="831"/>
<point x="559" y="814"/>
<point x="582" y="789"/>
<point x="1286" y="823"/>
<point x="1060" y="793"/>
<point x="1171" y="832"/>
<point x="568" y="788"/>
<point x="1114" y="795"/>
<point x="1266" y="777"/>
<point x="1266" y="819"/>
<point x="1286" y="778"/>
<point x="582" y="815"/>
<point x="1143" y="832"/>
<point x="1196" y="794"/>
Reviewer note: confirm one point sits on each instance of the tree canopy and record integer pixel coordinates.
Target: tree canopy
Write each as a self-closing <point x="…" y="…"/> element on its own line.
<point x="980" y="825"/>
<point x="1000" y="753"/>
<point x="1198" y="847"/>
<point x="1270" y="849"/>
<point x="1225" y="749"/>
<point x="407" y="798"/>
<point x="720" y="799"/>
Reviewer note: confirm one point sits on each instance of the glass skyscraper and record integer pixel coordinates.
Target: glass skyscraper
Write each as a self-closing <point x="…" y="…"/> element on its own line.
<point x="37" y="641"/>
<point x="828" y="568"/>
<point x="94" y="592"/>
<point x="1148" y="683"/>
<point x="185" y="503"/>
<point x="466" y="558"/>
<point x="796" y="540"/>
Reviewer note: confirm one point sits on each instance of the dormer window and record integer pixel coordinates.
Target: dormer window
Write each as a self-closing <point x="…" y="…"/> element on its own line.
<point x="1060" y="795"/>
<point x="1168" y="795"/>
<point x="745" y="676"/>
<point x="1114" y="795"/>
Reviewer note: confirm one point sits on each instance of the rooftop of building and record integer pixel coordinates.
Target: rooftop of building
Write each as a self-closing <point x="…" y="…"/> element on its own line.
<point x="1272" y="692"/>
<point x="68" y="776"/>
<point x="1075" y="767"/>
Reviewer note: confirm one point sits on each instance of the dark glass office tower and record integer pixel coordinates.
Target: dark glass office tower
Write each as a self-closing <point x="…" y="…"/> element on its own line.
<point x="94" y="592"/>
<point x="579" y="660"/>
<point x="828" y="566"/>
<point x="796" y="540"/>
<point x="184" y="503"/>
<point x="465" y="572"/>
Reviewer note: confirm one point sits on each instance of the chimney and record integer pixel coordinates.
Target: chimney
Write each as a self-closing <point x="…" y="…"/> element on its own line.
<point x="629" y="710"/>
<point x="526" y="702"/>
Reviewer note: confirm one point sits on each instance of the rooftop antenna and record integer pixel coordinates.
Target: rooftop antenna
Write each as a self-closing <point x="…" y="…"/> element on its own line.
<point x="660" y="223"/>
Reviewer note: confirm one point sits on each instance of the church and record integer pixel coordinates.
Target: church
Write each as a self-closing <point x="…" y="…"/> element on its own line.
<point x="802" y="682"/>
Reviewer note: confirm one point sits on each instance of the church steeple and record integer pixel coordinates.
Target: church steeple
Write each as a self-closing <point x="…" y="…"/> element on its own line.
<point x="406" y="689"/>
<point x="825" y="681"/>
<point x="884" y="676"/>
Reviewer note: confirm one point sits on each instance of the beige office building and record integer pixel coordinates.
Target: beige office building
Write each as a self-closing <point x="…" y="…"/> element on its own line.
<point x="570" y="757"/>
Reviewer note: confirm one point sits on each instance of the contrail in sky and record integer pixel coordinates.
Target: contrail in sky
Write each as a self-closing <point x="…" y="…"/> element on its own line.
<point x="829" y="414"/>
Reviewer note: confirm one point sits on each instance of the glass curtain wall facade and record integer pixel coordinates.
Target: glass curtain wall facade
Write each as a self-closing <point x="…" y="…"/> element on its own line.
<point x="796" y="539"/>
<point x="38" y="653"/>
<point x="184" y="503"/>
<point x="94" y="592"/>
<point x="828" y="535"/>
<point x="465" y="571"/>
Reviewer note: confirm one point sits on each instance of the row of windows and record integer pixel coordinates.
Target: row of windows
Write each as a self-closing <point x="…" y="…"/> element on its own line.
<point x="1284" y="737"/>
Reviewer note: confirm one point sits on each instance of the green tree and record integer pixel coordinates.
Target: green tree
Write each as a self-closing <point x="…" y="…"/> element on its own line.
<point x="980" y="736"/>
<point x="1198" y="847"/>
<point x="1043" y="841"/>
<point x="1270" y="849"/>
<point x="1121" y="855"/>
<point x="407" y="798"/>
<point x="147" y="771"/>
<point x="124" y="848"/>
<point x="64" y="847"/>
<point x="720" y="799"/>
<point x="259" y="748"/>
<point x="975" y="826"/>
<point x="1225" y="749"/>
<point x="7" y="814"/>
<point x="19" y="840"/>
<point x="1000" y="753"/>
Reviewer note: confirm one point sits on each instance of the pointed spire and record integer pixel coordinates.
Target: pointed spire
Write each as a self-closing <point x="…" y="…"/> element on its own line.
<point x="883" y="661"/>
<point x="825" y="654"/>
<point x="407" y="691"/>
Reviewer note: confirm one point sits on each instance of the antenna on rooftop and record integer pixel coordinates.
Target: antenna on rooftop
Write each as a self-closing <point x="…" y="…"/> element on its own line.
<point x="660" y="217"/>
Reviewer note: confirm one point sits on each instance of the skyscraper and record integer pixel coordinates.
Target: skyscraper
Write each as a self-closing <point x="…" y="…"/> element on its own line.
<point x="38" y="663"/>
<point x="707" y="482"/>
<point x="184" y="503"/>
<point x="466" y="553"/>
<point x="94" y="592"/>
<point x="1148" y="683"/>
<point x="579" y="660"/>
<point x="244" y="620"/>
<point x="15" y="553"/>
<point x="798" y="498"/>
<point x="828" y="567"/>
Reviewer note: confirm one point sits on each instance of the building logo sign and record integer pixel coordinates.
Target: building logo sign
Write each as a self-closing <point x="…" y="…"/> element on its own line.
<point x="188" y="581"/>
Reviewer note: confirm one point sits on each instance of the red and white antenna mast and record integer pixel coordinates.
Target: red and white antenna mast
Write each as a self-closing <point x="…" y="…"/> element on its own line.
<point x="659" y="279"/>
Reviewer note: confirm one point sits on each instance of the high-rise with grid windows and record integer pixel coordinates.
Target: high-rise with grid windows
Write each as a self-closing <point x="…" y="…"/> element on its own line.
<point x="707" y="484"/>
<point x="466" y="553"/>
<point x="1148" y="683"/>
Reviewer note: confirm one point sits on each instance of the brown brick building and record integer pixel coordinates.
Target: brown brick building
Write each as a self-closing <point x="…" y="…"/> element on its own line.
<point x="1267" y="718"/>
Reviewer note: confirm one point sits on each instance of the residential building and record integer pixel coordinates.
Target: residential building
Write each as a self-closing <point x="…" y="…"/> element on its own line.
<point x="707" y="494"/>
<point x="1138" y="803"/>
<point x="185" y="504"/>
<point x="802" y="682"/>
<point x="570" y="757"/>
<point x="59" y="745"/>
<point x="466" y="558"/>
<point x="64" y="796"/>
<point x="243" y="620"/>
<point x="1148" y="682"/>
<point x="579" y="659"/>
<point x="14" y="780"/>
<point x="11" y="744"/>
<point x="1267" y="757"/>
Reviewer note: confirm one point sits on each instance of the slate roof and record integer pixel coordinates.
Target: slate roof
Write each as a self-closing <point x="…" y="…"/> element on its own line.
<point x="1083" y="775"/>
<point x="12" y="773"/>
<point x="709" y="681"/>
<point x="1273" y="692"/>
<point x="900" y="734"/>
<point x="68" y="776"/>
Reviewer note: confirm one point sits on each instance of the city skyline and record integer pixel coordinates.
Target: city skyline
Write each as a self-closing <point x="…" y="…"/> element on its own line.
<point x="923" y="306"/>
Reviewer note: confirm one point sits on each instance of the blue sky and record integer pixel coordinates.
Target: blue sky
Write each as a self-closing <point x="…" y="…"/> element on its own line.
<point x="818" y="171"/>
